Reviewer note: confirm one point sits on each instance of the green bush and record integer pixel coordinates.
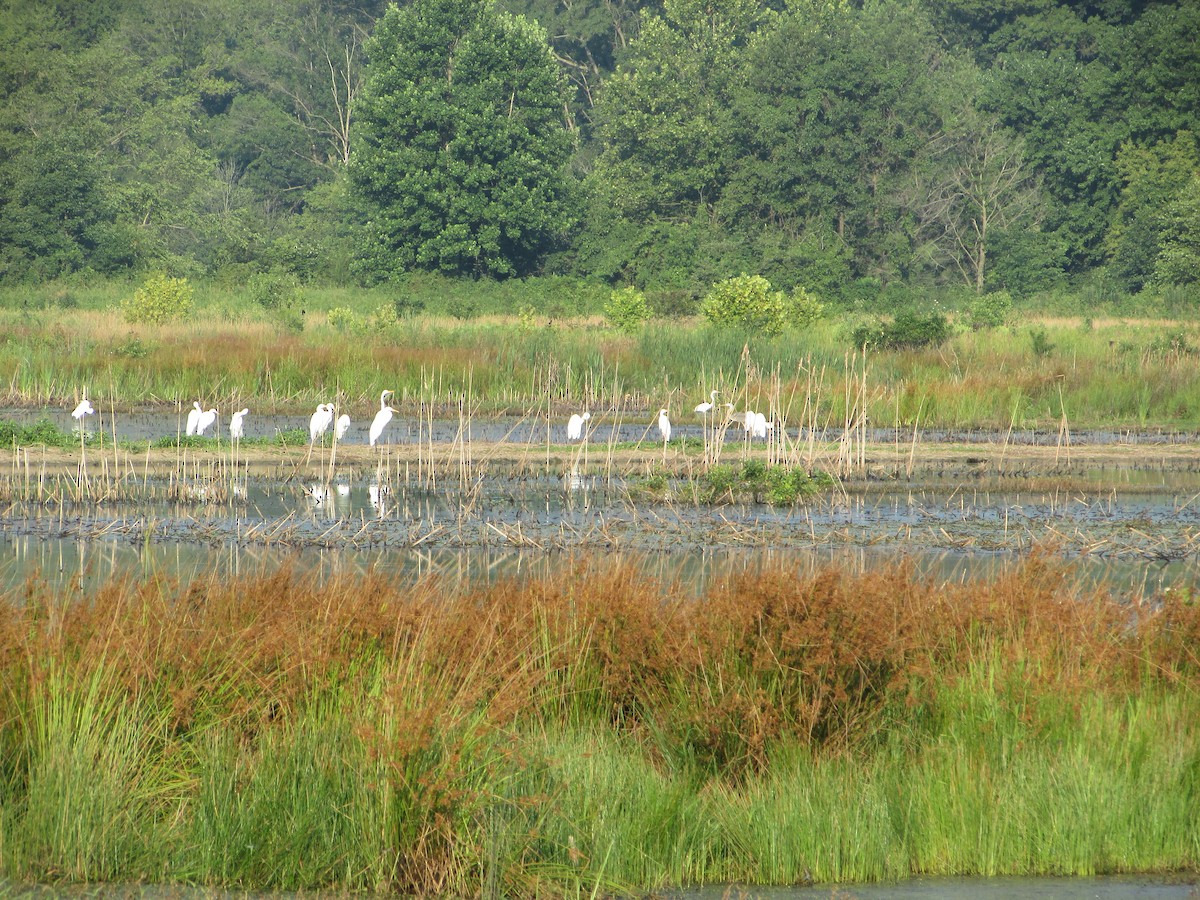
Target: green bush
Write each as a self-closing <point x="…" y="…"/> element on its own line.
<point x="344" y="319"/>
<point x="803" y="309"/>
<point x="907" y="331"/>
<point x="990" y="310"/>
<point x="627" y="309"/>
<point x="745" y="301"/>
<point x="160" y="299"/>
<point x="274" y="292"/>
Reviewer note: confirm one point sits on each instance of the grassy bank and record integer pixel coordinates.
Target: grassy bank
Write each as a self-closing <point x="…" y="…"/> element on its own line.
<point x="1034" y="374"/>
<point x="595" y="730"/>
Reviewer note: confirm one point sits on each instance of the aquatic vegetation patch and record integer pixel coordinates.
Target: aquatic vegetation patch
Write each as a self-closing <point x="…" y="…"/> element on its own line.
<point x="43" y="432"/>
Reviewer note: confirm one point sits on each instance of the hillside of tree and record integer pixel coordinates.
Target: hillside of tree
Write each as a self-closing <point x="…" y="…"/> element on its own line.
<point x="856" y="149"/>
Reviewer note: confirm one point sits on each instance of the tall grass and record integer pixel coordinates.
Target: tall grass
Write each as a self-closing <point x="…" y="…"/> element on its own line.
<point x="1095" y="374"/>
<point x="595" y="729"/>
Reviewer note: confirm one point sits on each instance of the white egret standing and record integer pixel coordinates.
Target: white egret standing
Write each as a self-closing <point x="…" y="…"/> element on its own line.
<point x="204" y="421"/>
<point x="83" y="409"/>
<point x="236" y="427"/>
<point x="194" y="415"/>
<point x="757" y="425"/>
<point x="343" y="425"/>
<point x="381" y="418"/>
<point x="319" y="422"/>
<point x="704" y="409"/>
<point x="575" y="426"/>
<point x="664" y="425"/>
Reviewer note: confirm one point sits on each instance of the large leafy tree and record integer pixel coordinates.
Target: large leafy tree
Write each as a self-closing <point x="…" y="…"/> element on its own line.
<point x="838" y="103"/>
<point x="667" y="145"/>
<point x="461" y="149"/>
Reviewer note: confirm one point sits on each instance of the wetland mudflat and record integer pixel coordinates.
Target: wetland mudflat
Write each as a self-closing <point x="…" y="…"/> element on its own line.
<point x="1125" y="503"/>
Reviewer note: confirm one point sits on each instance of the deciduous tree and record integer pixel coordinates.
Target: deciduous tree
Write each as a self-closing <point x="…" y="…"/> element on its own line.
<point x="461" y="150"/>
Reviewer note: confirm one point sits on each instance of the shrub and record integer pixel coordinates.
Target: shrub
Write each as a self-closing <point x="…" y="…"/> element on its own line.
<point x="627" y="309"/>
<point x="160" y="299"/>
<point x="1039" y="342"/>
<point x="745" y="301"/>
<point x="343" y="318"/>
<point x="907" y="331"/>
<point x="990" y="310"/>
<point x="803" y="309"/>
<point x="273" y="292"/>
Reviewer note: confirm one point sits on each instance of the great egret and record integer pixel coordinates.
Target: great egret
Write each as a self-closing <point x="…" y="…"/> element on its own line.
<point x="705" y="408"/>
<point x="193" y="418"/>
<point x="575" y="426"/>
<point x="343" y="425"/>
<point x="320" y="421"/>
<point x="83" y="409"/>
<point x="205" y="420"/>
<point x="664" y="425"/>
<point x="236" y="428"/>
<point x="757" y="425"/>
<point x="381" y="418"/>
<point x="741" y="418"/>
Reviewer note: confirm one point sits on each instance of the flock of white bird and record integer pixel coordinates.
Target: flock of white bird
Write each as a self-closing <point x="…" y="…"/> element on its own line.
<point x="199" y="420"/>
<point x="755" y="424"/>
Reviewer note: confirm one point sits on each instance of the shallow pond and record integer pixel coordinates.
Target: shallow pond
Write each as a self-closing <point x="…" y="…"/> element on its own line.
<point x="1135" y="524"/>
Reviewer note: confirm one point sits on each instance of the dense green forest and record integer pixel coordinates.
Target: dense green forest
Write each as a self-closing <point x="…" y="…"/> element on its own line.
<point x="858" y="150"/>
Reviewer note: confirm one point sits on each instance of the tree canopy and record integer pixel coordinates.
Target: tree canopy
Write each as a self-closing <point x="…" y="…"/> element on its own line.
<point x="843" y="146"/>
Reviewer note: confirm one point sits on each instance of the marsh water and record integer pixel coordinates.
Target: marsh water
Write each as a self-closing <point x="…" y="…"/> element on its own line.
<point x="1135" y="525"/>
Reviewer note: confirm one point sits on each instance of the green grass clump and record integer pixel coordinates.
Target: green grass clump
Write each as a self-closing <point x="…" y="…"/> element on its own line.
<point x="761" y="483"/>
<point x="43" y="432"/>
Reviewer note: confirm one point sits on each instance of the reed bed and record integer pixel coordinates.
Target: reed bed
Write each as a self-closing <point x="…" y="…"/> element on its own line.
<point x="1094" y="374"/>
<point x="595" y="730"/>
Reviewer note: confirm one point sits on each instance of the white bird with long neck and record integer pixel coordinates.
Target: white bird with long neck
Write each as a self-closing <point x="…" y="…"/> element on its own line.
<point x="342" y="426"/>
<point x="205" y="420"/>
<point x="664" y="425"/>
<point x="83" y="409"/>
<point x="705" y="408"/>
<point x="193" y="417"/>
<point x="575" y="426"/>
<point x="319" y="422"/>
<point x="237" y="428"/>
<point x="382" y="418"/>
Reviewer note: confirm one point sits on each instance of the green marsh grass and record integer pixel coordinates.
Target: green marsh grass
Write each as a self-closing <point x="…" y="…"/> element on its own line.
<point x="1103" y="373"/>
<point x="595" y="730"/>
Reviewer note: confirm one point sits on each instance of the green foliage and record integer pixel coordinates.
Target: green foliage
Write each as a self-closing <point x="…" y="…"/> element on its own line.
<point x="160" y="299"/>
<point x="1039" y="342"/>
<point x="745" y="302"/>
<point x="344" y="319"/>
<point x="1178" y="261"/>
<point x="43" y="432"/>
<point x="273" y="291"/>
<point x="990" y="310"/>
<point x="627" y="309"/>
<point x="803" y="309"/>
<point x="907" y="331"/>
<point x="762" y="483"/>
<point x="463" y="174"/>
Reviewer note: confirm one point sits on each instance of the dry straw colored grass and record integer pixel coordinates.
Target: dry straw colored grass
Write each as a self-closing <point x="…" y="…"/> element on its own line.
<point x="425" y="711"/>
<point x="753" y="659"/>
